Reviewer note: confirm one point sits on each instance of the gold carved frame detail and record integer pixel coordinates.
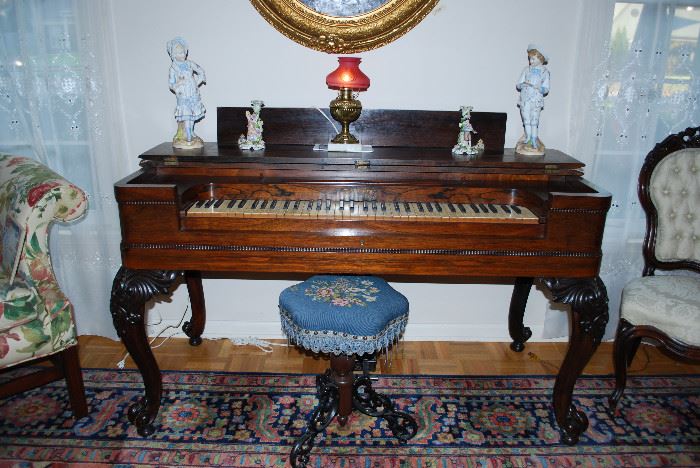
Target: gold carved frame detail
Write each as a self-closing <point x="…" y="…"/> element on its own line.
<point x="348" y="34"/>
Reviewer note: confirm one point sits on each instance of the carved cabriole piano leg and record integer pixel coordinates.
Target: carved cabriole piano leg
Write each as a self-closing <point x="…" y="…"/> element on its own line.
<point x="130" y="291"/>
<point x="588" y="299"/>
<point x="195" y="327"/>
<point x="518" y="332"/>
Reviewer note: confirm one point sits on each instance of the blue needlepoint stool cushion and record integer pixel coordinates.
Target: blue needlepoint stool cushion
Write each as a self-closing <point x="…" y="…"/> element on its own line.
<point x="343" y="314"/>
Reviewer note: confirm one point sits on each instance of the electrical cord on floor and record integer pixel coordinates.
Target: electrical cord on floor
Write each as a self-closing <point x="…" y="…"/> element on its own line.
<point x="548" y="365"/>
<point x="122" y="363"/>
<point x="552" y="367"/>
<point x="263" y="345"/>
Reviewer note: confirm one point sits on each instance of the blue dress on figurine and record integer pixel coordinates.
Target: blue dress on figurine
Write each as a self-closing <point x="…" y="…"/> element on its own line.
<point x="533" y="86"/>
<point x="184" y="79"/>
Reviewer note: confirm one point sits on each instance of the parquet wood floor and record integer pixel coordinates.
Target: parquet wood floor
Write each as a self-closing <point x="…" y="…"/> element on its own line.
<point x="408" y="357"/>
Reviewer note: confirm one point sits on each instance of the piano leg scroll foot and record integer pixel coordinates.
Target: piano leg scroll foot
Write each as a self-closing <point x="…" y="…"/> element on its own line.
<point x="518" y="332"/>
<point x="576" y="424"/>
<point x="138" y="416"/>
<point x="588" y="299"/>
<point x="519" y="345"/>
<point x="131" y="290"/>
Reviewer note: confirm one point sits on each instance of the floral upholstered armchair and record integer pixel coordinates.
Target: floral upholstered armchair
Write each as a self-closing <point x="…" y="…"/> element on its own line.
<point x="36" y="318"/>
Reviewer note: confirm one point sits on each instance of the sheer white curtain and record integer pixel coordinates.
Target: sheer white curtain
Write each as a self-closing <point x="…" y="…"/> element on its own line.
<point x="638" y="82"/>
<point x="59" y="105"/>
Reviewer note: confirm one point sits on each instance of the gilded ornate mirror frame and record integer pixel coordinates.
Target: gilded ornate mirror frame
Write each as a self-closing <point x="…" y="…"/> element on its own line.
<point x="343" y="34"/>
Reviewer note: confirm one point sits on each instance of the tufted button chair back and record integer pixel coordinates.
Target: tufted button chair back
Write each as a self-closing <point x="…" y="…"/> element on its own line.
<point x="669" y="189"/>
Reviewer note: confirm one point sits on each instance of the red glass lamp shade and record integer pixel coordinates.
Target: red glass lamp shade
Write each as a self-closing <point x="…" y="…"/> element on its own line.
<point x="348" y="75"/>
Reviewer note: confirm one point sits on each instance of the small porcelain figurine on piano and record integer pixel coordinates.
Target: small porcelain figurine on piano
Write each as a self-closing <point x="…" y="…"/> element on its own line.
<point x="409" y="209"/>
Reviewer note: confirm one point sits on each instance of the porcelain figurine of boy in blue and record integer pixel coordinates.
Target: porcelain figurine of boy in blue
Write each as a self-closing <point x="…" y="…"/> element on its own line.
<point x="533" y="86"/>
<point x="185" y="79"/>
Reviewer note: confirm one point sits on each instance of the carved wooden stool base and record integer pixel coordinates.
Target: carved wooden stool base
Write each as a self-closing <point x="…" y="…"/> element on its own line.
<point x="339" y="392"/>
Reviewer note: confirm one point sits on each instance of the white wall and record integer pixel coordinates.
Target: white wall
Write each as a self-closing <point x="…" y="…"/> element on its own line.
<point x="464" y="52"/>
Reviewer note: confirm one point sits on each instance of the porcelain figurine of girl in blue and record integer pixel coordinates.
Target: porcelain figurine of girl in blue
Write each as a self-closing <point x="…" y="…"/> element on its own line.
<point x="533" y="86"/>
<point x="185" y="79"/>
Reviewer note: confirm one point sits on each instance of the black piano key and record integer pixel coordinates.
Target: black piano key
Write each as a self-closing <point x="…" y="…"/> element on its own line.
<point x="352" y="205"/>
<point x="374" y="205"/>
<point x="255" y="204"/>
<point x="242" y="203"/>
<point x="420" y="207"/>
<point x="209" y="203"/>
<point x="516" y="209"/>
<point x="218" y="203"/>
<point x="462" y="208"/>
<point x="263" y="204"/>
<point x="328" y="205"/>
<point x="230" y="204"/>
<point x="505" y="209"/>
<point x="199" y="203"/>
<point x="365" y="207"/>
<point x="429" y="206"/>
<point x="310" y="205"/>
<point x="492" y="208"/>
<point x="341" y="205"/>
<point x="475" y="208"/>
<point x="273" y="204"/>
<point x="383" y="207"/>
<point x="286" y="204"/>
<point x="319" y="204"/>
<point x="438" y="208"/>
<point x="296" y="205"/>
<point x="407" y="207"/>
<point x="452" y="208"/>
<point x="483" y="207"/>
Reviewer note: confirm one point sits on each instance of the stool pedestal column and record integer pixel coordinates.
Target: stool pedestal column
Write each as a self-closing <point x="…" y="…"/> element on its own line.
<point x="342" y="373"/>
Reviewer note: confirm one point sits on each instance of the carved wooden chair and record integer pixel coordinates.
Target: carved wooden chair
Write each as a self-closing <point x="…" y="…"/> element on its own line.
<point x="36" y="318"/>
<point x="665" y="309"/>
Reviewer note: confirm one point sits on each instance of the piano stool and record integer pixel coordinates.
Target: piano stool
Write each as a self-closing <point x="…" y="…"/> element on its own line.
<point x="351" y="318"/>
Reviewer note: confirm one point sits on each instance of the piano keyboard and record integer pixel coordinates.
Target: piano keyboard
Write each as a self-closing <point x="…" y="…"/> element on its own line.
<point x="374" y="210"/>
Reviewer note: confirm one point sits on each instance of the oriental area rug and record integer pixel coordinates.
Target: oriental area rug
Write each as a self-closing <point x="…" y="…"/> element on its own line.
<point x="235" y="419"/>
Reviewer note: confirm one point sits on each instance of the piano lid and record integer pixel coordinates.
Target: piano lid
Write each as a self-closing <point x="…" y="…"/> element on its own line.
<point x="400" y="138"/>
<point x="214" y="154"/>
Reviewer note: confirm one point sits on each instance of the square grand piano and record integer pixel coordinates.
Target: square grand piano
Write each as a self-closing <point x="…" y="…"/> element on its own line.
<point x="408" y="210"/>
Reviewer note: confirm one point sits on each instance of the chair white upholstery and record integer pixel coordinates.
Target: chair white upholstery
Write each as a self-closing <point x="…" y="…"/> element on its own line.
<point x="669" y="303"/>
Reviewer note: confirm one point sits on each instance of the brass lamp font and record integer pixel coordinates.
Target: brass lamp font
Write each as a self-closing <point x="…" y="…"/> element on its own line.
<point x="345" y="108"/>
